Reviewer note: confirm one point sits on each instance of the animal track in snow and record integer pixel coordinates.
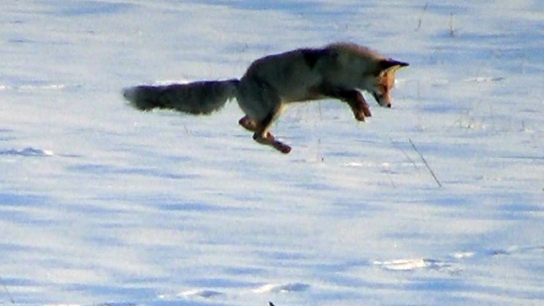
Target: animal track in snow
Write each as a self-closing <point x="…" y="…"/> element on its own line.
<point x="29" y="151"/>
<point x="206" y="294"/>
<point x="484" y="79"/>
<point x="449" y="265"/>
<point x="414" y="264"/>
<point x="290" y="287"/>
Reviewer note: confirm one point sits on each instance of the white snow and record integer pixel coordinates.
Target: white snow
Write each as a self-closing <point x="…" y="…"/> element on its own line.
<point x="103" y="205"/>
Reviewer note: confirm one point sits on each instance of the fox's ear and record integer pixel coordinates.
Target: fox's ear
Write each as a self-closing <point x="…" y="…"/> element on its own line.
<point x="388" y="65"/>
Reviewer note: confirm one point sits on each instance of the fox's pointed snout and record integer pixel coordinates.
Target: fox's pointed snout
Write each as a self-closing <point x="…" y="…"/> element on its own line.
<point x="385" y="104"/>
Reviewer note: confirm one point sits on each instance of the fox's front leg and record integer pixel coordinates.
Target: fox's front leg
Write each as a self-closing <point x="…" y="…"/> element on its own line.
<point x="354" y="99"/>
<point x="358" y="105"/>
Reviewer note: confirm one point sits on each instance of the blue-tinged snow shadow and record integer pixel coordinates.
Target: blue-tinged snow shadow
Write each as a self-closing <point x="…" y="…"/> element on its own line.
<point x="16" y="199"/>
<point x="111" y="169"/>
<point x="137" y="293"/>
<point x="17" y="208"/>
<point x="260" y="5"/>
<point x="190" y="207"/>
<point x="219" y="282"/>
<point x="184" y="302"/>
<point x="84" y="8"/>
<point x="6" y="134"/>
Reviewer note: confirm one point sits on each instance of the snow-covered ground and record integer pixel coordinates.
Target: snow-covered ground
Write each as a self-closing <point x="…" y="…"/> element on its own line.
<point x="102" y="204"/>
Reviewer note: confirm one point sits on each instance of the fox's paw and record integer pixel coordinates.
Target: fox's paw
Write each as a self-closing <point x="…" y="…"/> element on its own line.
<point x="360" y="116"/>
<point x="366" y="111"/>
<point x="283" y="148"/>
<point x="248" y="124"/>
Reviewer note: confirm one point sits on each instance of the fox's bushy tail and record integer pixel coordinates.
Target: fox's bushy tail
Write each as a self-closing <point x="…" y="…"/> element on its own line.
<point x="198" y="98"/>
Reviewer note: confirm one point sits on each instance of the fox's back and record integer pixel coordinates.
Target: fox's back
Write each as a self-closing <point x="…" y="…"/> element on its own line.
<point x="290" y="74"/>
<point x="295" y="75"/>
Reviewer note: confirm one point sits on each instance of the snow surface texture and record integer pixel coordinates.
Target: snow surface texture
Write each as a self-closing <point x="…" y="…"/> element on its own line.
<point x="103" y="205"/>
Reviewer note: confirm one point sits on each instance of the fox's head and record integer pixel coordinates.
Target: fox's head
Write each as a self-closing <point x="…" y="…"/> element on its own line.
<point x="384" y="80"/>
<point x="359" y="67"/>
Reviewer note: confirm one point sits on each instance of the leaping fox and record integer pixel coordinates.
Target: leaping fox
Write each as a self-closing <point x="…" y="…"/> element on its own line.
<point x="337" y="71"/>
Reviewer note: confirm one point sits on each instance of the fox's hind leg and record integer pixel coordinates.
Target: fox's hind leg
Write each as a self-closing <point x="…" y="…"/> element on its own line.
<point x="248" y="123"/>
<point x="263" y="136"/>
<point x="261" y="131"/>
<point x="262" y="106"/>
<point x="251" y="125"/>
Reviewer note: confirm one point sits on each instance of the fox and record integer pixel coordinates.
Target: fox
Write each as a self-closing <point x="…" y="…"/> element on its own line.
<point x="337" y="71"/>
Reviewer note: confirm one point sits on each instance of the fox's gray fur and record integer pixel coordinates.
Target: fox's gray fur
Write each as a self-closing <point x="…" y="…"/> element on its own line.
<point x="336" y="71"/>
